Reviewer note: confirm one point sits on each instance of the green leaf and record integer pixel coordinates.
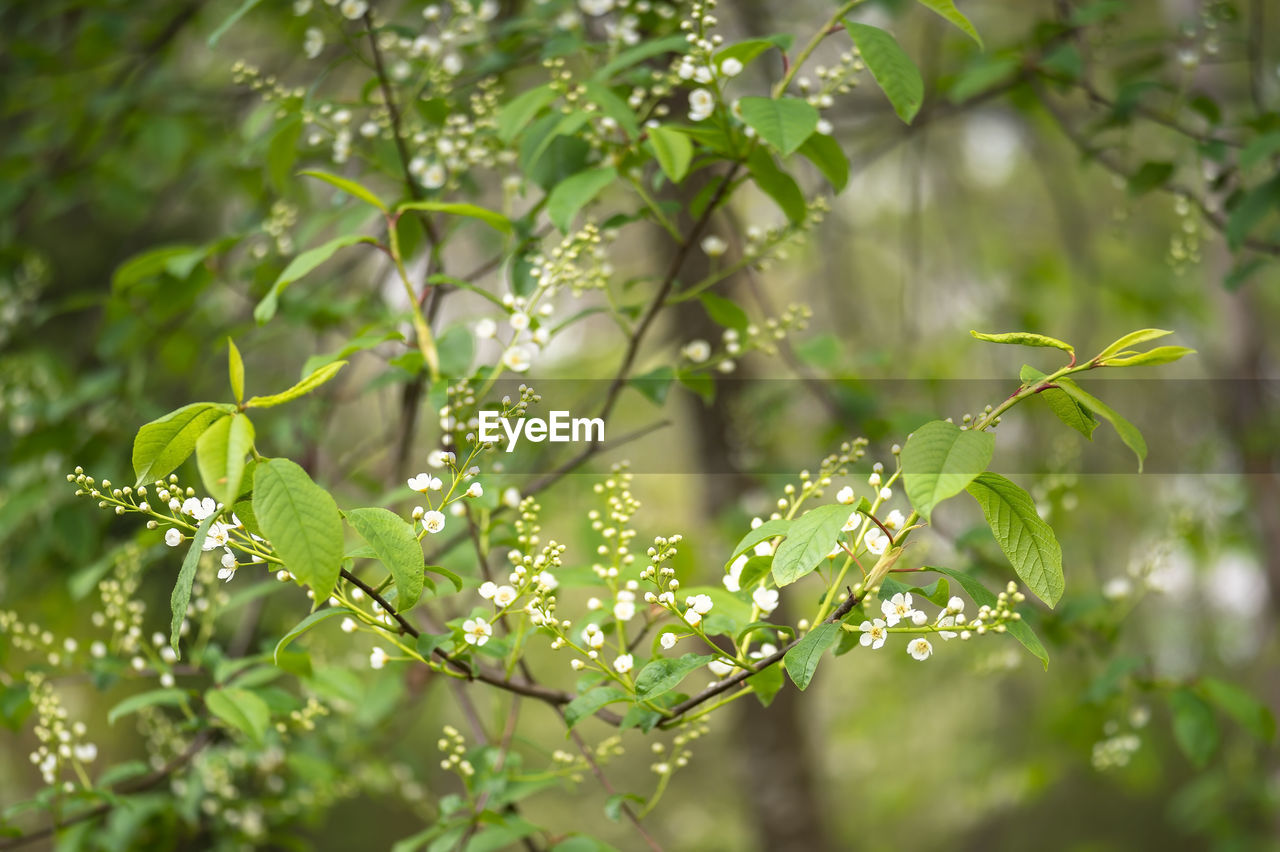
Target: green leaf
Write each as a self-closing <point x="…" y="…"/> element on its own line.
<point x="589" y="702"/>
<point x="1250" y="208"/>
<point x="428" y="643"/>
<point x="777" y="184"/>
<point x="348" y="186"/>
<point x="644" y="50"/>
<point x="746" y="51"/>
<point x="181" y="595"/>
<point x="826" y="154"/>
<point x="306" y="624"/>
<point x="654" y="384"/>
<point x="151" y="698"/>
<point x="947" y="9"/>
<point x="1133" y="338"/>
<point x="393" y="540"/>
<point x="354" y="345"/>
<point x="176" y="260"/>
<point x="1127" y="431"/>
<point x="570" y="196"/>
<point x="1026" y="540"/>
<point x="1024" y="338"/>
<point x="1159" y="355"/>
<point x="491" y="218"/>
<point x="983" y="596"/>
<point x="1069" y="411"/>
<point x="1250" y="713"/>
<point x="673" y="150"/>
<point x="766" y="684"/>
<point x="1150" y="175"/>
<point x="939" y="592"/>
<point x="663" y="675"/>
<point x="455" y="349"/>
<point x="241" y="709"/>
<point x="808" y="541"/>
<point x="282" y="153"/>
<point x="235" y="370"/>
<point x="802" y="660"/>
<point x="982" y="74"/>
<point x="516" y="114"/>
<point x="302" y="523"/>
<point x="767" y="530"/>
<point x="448" y="575"/>
<point x="613" y="106"/>
<point x="754" y="570"/>
<point x="220" y="453"/>
<point x="892" y="69"/>
<point x="784" y="123"/>
<point x="724" y="312"/>
<point x="300" y="266"/>
<point x="166" y="442"/>
<point x="939" y="460"/>
<point x="1263" y="148"/>
<point x="1194" y="727"/>
<point x="302" y="388"/>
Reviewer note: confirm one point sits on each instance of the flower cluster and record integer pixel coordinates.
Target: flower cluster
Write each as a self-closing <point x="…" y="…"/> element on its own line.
<point x="700" y="355"/>
<point x="901" y="615"/>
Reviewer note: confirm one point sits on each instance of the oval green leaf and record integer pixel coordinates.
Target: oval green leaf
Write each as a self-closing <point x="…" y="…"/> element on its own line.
<point x="1026" y="540"/>
<point x="302" y="523"/>
<point x="892" y="69"/>
<point x="393" y="540"/>
<point x="939" y="460"/>
<point x="166" y="442"/>
<point x="784" y="123"/>
<point x="810" y="539"/>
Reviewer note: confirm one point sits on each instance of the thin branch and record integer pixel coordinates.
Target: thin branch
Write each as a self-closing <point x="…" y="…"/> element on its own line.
<point x="1111" y="163"/>
<point x="608" y="788"/>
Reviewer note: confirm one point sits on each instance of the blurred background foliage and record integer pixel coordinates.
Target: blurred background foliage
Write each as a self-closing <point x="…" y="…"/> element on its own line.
<point x="1052" y="182"/>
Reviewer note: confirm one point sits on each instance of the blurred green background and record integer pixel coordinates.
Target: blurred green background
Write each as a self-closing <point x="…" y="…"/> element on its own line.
<point x="121" y="129"/>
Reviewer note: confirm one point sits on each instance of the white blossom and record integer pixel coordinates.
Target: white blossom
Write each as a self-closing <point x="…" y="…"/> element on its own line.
<point x="714" y="246"/>
<point x="733" y="579"/>
<point x="668" y="640"/>
<point x="701" y="104"/>
<point x="765" y="599"/>
<point x="172" y="537"/>
<point x="697" y="351"/>
<point x="623" y="664"/>
<point x="919" y="648"/>
<point x="433" y="521"/>
<point x="504" y="596"/>
<point x="731" y="67"/>
<point x="518" y="358"/>
<point x="424" y="482"/>
<point x="377" y="658"/>
<point x="476" y="631"/>
<point x="873" y="634"/>
<point x="720" y="667"/>
<point x="897" y="608"/>
<point x="199" y="509"/>
<point x="352" y="9"/>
